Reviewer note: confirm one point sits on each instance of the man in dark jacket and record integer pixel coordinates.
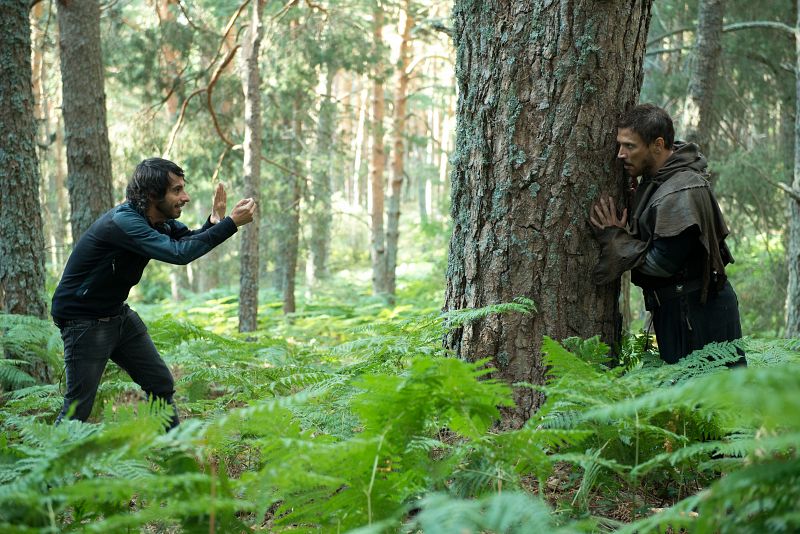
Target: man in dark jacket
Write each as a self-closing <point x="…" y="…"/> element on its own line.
<point x="675" y="242"/>
<point x="108" y="260"/>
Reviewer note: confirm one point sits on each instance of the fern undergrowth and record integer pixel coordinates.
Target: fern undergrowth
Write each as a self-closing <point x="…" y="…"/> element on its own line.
<point x="351" y="416"/>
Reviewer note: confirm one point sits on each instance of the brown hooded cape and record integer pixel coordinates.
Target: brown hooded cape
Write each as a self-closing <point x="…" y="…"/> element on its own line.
<point x="675" y="199"/>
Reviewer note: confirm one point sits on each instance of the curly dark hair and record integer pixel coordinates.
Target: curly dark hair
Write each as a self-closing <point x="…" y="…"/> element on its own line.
<point x="149" y="181"/>
<point x="650" y="122"/>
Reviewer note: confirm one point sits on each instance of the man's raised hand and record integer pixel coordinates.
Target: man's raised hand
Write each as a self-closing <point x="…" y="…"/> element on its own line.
<point x="219" y="205"/>
<point x="244" y="211"/>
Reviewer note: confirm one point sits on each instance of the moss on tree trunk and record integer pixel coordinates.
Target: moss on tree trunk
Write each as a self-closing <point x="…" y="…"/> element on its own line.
<point x="541" y="85"/>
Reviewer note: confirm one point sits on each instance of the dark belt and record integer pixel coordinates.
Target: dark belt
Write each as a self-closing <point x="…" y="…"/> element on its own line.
<point x="653" y="298"/>
<point x="61" y="323"/>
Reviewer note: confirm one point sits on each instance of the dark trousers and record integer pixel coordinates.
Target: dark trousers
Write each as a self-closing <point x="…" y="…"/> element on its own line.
<point x="684" y="325"/>
<point x="90" y="343"/>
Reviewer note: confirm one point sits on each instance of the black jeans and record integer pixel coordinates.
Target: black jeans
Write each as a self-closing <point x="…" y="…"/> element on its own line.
<point x="90" y="343"/>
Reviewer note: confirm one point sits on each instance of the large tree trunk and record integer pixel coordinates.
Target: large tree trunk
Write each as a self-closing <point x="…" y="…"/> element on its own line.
<point x="541" y="86"/>
<point x="377" y="240"/>
<point x="698" y="109"/>
<point x="84" y="107"/>
<point x="398" y="153"/>
<point x="793" y="252"/>
<point x="320" y="210"/>
<point x="21" y="238"/>
<point x="248" y="253"/>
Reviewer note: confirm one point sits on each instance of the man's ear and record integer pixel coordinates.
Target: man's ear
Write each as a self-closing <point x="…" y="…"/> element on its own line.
<point x="658" y="145"/>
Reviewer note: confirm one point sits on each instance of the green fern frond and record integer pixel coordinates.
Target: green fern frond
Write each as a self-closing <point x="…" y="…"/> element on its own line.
<point x="456" y="318"/>
<point x="509" y="512"/>
<point x="12" y="377"/>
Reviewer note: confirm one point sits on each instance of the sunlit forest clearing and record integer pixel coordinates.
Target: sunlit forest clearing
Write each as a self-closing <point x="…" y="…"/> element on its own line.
<point x="407" y="337"/>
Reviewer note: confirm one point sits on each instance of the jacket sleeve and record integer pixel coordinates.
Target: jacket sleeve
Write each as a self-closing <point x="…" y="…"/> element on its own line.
<point x="180" y="231"/>
<point x="179" y="247"/>
<point x="620" y="251"/>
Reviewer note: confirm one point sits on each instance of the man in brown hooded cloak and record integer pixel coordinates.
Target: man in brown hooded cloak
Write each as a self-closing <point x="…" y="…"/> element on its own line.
<point x="674" y="244"/>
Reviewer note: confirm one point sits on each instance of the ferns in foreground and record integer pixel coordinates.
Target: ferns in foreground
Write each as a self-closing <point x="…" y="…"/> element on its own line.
<point x="31" y="346"/>
<point x="696" y="415"/>
<point x="381" y="433"/>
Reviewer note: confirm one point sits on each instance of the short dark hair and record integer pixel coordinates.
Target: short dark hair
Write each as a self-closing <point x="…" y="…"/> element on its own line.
<point x="150" y="179"/>
<point x="650" y="122"/>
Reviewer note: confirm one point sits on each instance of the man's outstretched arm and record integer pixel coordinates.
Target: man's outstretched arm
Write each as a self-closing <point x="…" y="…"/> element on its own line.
<point x="138" y="236"/>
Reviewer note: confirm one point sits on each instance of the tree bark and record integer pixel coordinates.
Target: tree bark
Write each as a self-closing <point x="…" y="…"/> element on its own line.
<point x="377" y="239"/>
<point x="541" y="86"/>
<point x="22" y="254"/>
<point x="251" y="167"/>
<point x="398" y="152"/>
<point x="793" y="251"/>
<point x="698" y="108"/>
<point x="84" y="108"/>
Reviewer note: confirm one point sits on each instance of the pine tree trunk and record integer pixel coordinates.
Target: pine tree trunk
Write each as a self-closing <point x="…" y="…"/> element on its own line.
<point x="22" y="254"/>
<point x="320" y="209"/>
<point x="292" y="212"/>
<point x="422" y="193"/>
<point x="541" y="85"/>
<point x="251" y="167"/>
<point x="84" y="108"/>
<point x="169" y="58"/>
<point x="793" y="252"/>
<point x="358" y="150"/>
<point x="398" y="152"/>
<point x="698" y="109"/>
<point x="63" y="236"/>
<point x="378" y="238"/>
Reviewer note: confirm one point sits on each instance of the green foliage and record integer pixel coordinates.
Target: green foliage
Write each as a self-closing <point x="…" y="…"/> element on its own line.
<point x="30" y="344"/>
<point x="352" y="417"/>
<point x="513" y="512"/>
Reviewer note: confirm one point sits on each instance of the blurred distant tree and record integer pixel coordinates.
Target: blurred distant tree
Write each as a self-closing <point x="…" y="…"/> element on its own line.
<point x="251" y="85"/>
<point x="84" y="107"/>
<point x="398" y="145"/>
<point x="378" y="162"/>
<point x="793" y="251"/>
<point x="698" y="109"/>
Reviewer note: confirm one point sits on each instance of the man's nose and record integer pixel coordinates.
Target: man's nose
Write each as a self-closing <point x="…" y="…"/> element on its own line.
<point x="186" y="197"/>
<point x="621" y="153"/>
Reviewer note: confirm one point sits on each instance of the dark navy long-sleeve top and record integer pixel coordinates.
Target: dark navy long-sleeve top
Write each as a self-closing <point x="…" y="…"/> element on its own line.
<point x="111" y="255"/>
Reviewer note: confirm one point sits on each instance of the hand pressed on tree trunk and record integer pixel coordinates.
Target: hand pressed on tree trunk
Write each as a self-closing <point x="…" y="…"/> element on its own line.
<point x="605" y="214"/>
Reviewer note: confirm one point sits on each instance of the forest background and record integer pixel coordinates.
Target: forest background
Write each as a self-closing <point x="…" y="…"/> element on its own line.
<point x="343" y="119"/>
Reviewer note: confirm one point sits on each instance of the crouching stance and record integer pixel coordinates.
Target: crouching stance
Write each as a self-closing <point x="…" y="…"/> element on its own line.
<point x="674" y="245"/>
<point x="108" y="260"/>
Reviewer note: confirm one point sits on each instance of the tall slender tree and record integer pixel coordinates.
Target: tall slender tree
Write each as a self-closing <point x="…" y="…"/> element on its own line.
<point x="793" y="250"/>
<point x="378" y="162"/>
<point x="21" y="238"/>
<point x="541" y="85"/>
<point x="248" y="254"/>
<point x="398" y="146"/>
<point x="320" y="216"/>
<point x="293" y="193"/>
<point x="89" y="179"/>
